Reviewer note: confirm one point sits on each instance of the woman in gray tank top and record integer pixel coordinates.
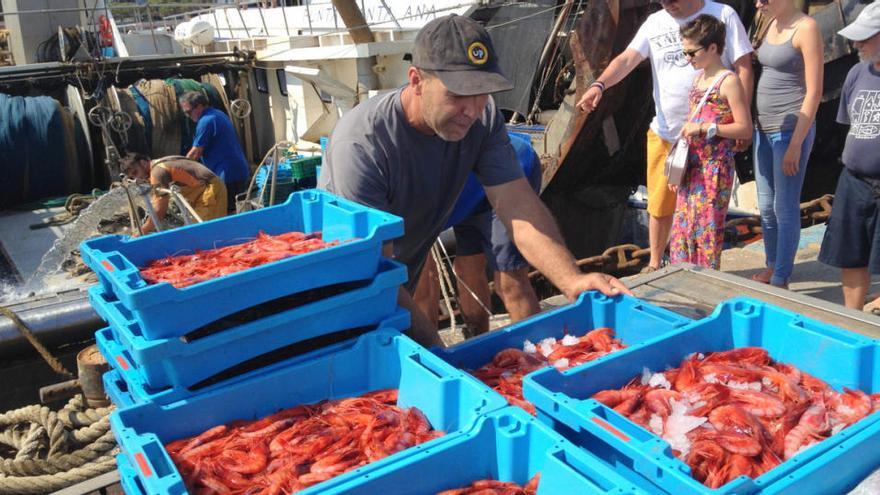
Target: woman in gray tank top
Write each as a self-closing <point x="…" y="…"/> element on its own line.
<point x="787" y="98"/>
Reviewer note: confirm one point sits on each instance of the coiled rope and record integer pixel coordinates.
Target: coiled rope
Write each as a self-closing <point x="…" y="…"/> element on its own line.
<point x="49" y="450"/>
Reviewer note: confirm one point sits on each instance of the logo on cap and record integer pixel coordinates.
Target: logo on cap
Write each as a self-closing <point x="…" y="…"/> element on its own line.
<point x="477" y="53"/>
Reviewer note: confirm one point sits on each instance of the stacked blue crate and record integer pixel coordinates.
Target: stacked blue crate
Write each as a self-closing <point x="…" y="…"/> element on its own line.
<point x="451" y="400"/>
<point x="840" y="358"/>
<point x="164" y="311"/>
<point x="170" y="345"/>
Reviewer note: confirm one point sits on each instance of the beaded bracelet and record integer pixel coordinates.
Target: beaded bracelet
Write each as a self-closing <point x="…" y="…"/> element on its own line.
<point x="598" y="84"/>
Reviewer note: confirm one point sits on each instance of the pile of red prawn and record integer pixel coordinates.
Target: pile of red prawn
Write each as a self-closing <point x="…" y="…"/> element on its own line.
<point x="506" y="370"/>
<point x="188" y="269"/>
<point x="737" y="412"/>
<point x="298" y="447"/>
<point x="493" y="487"/>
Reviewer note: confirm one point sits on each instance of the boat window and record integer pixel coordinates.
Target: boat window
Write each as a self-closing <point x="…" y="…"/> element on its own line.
<point x="282" y="80"/>
<point x="262" y="82"/>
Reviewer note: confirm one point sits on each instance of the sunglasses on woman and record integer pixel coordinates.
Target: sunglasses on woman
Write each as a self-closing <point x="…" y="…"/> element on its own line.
<point x="692" y="53"/>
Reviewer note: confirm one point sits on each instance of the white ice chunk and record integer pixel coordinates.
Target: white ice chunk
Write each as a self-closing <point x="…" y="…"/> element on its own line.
<point x="710" y="378"/>
<point x="678" y="424"/>
<point x="655" y="424"/>
<point x="570" y="340"/>
<point x="756" y="386"/>
<point x="659" y="380"/>
<point x="529" y="347"/>
<point x="546" y="349"/>
<point x="561" y="364"/>
<point x="646" y="376"/>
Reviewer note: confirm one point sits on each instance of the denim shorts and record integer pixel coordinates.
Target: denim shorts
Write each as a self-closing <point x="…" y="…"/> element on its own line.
<point x="485" y="233"/>
<point x="852" y="237"/>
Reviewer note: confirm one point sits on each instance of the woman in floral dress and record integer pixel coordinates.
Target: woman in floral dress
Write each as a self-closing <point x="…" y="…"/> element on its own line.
<point x="704" y="193"/>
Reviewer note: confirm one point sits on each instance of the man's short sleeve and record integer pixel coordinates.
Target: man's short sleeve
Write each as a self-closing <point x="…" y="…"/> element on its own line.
<point x="845" y="92"/>
<point x="640" y="42"/>
<point x="206" y="129"/>
<point x="497" y="163"/>
<point x="737" y="41"/>
<point x="354" y="174"/>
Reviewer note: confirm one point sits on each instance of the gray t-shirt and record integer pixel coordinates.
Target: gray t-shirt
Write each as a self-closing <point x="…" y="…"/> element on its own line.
<point x="375" y="157"/>
<point x="860" y="108"/>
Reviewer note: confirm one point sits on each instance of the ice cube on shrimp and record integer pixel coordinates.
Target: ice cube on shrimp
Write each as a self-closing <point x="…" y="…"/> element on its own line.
<point x="570" y="340"/>
<point x="561" y="364"/>
<point x="529" y="347"/>
<point x="659" y="380"/>
<point x="646" y="375"/>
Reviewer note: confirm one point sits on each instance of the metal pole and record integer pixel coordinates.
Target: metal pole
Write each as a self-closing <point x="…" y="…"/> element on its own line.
<point x="152" y="29"/>
<point x="309" y="15"/>
<point x="274" y="175"/>
<point x="246" y="30"/>
<point x="390" y="13"/>
<point x="262" y="19"/>
<point x="228" y="23"/>
<point x="551" y="40"/>
<point x="284" y="16"/>
<point x="150" y="211"/>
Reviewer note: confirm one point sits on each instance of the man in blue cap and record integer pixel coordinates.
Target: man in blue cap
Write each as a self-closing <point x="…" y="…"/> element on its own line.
<point x="409" y="152"/>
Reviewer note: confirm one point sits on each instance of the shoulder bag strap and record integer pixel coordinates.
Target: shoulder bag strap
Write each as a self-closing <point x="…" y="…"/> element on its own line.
<point x="707" y="93"/>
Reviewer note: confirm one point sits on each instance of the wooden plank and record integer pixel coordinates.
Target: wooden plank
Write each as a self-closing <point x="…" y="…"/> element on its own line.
<point x="673" y="302"/>
<point x="703" y="291"/>
<point x="107" y="483"/>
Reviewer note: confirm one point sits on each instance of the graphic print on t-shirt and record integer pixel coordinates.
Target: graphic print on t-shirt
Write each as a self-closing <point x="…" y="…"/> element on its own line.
<point x="865" y="115"/>
<point x="669" y="44"/>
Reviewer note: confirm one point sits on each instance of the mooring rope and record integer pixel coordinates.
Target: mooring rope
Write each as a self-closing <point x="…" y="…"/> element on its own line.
<point x="49" y="450"/>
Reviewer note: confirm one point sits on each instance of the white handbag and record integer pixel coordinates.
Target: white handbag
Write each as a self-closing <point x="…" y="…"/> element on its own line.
<point x="676" y="160"/>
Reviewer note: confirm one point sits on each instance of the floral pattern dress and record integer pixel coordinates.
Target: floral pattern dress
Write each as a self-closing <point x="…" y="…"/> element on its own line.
<point x="703" y="196"/>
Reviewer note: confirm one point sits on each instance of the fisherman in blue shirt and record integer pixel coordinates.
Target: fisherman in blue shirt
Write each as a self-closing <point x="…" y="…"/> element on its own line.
<point x="215" y="144"/>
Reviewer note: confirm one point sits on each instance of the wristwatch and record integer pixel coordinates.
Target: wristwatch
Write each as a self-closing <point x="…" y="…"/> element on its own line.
<point x="712" y="130"/>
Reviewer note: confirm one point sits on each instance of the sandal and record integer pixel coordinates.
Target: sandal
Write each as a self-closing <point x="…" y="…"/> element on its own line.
<point x="649" y="269"/>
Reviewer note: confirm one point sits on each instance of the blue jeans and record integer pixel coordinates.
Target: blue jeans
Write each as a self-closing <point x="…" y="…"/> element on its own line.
<point x="779" y="198"/>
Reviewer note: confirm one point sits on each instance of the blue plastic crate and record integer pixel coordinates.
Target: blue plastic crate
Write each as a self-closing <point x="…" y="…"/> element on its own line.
<point x="633" y="321"/>
<point x="155" y="364"/>
<point x="165" y="311"/>
<point x="128" y="477"/>
<point x="508" y="445"/>
<point x="451" y="400"/>
<point x="838" y="470"/>
<point x="117" y="390"/>
<point x="123" y="394"/>
<point x="841" y="358"/>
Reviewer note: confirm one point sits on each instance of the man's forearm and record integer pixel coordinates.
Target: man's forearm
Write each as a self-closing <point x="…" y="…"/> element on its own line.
<point x="195" y="153"/>
<point x="535" y="234"/>
<point x="620" y="67"/>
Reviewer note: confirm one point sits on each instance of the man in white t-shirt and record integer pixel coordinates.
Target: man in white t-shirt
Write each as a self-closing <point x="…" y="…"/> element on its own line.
<point x="659" y="38"/>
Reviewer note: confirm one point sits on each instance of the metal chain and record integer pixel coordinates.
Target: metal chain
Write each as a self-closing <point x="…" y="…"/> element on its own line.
<point x="627" y="258"/>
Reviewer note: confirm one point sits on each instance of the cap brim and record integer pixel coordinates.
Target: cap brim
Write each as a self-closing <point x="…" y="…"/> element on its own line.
<point x="857" y="32"/>
<point x="474" y="82"/>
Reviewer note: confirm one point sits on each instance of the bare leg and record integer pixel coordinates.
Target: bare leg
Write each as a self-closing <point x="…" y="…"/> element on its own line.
<point x="427" y="293"/>
<point x="658" y="238"/>
<point x="517" y="293"/>
<point x="855" y="286"/>
<point x="471" y="270"/>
